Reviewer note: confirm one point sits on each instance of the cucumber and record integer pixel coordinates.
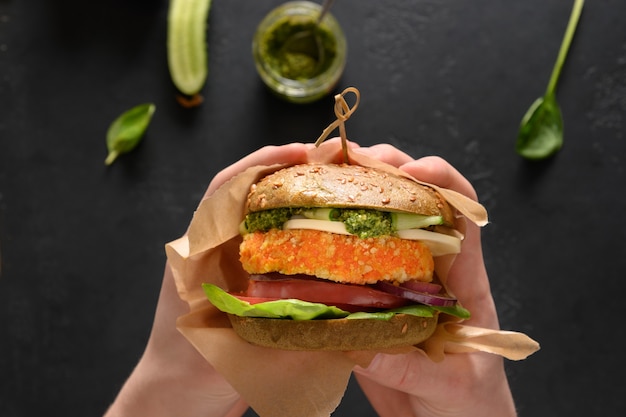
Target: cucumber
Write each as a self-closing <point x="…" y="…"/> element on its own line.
<point x="403" y="221"/>
<point x="186" y="44"/>
<point x="321" y="213"/>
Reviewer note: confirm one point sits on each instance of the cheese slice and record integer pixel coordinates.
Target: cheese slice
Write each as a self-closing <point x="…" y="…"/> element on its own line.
<point x="438" y="243"/>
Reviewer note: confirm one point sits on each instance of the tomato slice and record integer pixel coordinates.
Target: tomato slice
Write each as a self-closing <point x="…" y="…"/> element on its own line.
<point x="326" y="292"/>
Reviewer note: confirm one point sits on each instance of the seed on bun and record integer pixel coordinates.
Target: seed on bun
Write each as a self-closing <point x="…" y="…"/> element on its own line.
<point x="328" y="185"/>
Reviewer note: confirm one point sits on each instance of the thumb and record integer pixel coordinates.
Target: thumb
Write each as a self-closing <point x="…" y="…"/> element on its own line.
<point x="402" y="372"/>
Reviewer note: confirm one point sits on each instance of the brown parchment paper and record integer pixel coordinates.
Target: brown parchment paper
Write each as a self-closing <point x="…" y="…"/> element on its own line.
<point x="287" y="383"/>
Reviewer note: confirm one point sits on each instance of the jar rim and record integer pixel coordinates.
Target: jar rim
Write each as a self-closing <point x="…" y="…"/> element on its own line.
<point x="307" y="89"/>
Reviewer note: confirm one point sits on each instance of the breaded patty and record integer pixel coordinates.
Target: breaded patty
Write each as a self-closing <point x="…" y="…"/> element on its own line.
<point x="340" y="258"/>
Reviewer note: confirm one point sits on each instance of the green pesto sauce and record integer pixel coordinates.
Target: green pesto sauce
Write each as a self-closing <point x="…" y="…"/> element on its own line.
<point x="265" y="220"/>
<point x="292" y="65"/>
<point x="366" y="223"/>
<point x="360" y="222"/>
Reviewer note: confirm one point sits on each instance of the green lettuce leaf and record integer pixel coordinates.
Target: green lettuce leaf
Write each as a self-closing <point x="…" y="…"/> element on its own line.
<point x="456" y="311"/>
<point x="279" y="309"/>
<point x="378" y="315"/>
<point x="419" y="310"/>
<point x="303" y="310"/>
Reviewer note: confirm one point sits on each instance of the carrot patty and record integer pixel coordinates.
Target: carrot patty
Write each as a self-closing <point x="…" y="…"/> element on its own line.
<point x="341" y="258"/>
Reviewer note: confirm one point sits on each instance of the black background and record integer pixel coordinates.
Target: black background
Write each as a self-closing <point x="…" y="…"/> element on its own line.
<point x="82" y="245"/>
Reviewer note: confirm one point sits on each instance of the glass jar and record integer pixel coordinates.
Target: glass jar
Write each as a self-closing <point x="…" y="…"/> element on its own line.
<point x="298" y="78"/>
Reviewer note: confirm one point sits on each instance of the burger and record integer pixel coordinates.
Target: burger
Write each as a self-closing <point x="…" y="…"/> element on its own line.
<point x="341" y="257"/>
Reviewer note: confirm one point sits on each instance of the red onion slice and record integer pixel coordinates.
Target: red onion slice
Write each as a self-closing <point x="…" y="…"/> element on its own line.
<point x="420" y="286"/>
<point x="420" y="297"/>
<point x="416" y="291"/>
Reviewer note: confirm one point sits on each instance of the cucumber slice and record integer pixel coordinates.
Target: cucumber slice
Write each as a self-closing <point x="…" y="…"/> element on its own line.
<point x="403" y="221"/>
<point x="321" y="213"/>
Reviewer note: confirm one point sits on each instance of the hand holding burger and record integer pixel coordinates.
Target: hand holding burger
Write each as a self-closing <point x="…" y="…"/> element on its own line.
<point x="173" y="379"/>
<point x="463" y="384"/>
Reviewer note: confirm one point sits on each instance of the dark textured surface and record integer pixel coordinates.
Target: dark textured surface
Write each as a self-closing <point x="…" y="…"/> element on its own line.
<point x="82" y="245"/>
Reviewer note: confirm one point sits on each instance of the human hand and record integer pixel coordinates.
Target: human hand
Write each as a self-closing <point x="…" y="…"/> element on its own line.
<point x="172" y="378"/>
<point x="465" y="384"/>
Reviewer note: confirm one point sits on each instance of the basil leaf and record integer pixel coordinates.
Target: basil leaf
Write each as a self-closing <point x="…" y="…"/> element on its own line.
<point x="126" y="131"/>
<point x="541" y="131"/>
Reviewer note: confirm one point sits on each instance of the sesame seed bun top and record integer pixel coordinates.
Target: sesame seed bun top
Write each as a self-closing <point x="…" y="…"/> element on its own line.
<point x="346" y="186"/>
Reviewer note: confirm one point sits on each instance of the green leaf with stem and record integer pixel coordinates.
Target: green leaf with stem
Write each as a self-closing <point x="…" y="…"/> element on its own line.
<point x="541" y="130"/>
<point x="126" y="131"/>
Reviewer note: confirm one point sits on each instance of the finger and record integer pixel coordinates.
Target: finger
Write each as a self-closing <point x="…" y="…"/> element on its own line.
<point x="437" y="171"/>
<point x="238" y="409"/>
<point x="460" y="383"/>
<point x="336" y="139"/>
<point x="415" y="373"/>
<point x="386" y="153"/>
<point x="385" y="400"/>
<point x="467" y="278"/>
<point x="401" y="373"/>
<point x="268" y="155"/>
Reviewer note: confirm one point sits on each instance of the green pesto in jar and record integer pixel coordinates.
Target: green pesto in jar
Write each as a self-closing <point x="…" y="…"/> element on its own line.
<point x="295" y="65"/>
